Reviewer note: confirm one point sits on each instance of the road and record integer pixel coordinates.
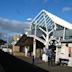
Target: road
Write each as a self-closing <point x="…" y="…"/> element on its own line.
<point x="43" y="65"/>
<point x="9" y="63"/>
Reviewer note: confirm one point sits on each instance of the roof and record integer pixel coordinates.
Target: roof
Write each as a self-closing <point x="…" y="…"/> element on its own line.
<point x="28" y="41"/>
<point x="56" y="19"/>
<point x="21" y="41"/>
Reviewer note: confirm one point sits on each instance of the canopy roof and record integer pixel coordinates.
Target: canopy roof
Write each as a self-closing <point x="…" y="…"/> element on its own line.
<point x="58" y="20"/>
<point x="54" y="18"/>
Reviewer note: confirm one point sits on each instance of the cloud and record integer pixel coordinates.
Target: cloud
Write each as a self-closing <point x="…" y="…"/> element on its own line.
<point x="13" y="26"/>
<point x="66" y="9"/>
<point x="29" y="19"/>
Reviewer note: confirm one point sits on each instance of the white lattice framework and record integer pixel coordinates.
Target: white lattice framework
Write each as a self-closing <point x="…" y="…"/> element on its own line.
<point x="44" y="24"/>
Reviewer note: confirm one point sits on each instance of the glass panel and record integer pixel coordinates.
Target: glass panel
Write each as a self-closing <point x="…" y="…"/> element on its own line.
<point x="59" y="27"/>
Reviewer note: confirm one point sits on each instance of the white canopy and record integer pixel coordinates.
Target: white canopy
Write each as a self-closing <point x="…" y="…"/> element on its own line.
<point x="58" y="20"/>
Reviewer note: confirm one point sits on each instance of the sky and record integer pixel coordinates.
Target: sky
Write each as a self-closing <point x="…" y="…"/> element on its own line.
<point x="14" y="13"/>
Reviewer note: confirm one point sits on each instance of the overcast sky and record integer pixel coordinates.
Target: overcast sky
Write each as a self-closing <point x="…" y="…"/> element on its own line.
<point x="12" y="26"/>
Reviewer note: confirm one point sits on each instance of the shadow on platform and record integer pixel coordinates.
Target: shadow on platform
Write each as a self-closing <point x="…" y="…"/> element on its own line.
<point x="10" y="63"/>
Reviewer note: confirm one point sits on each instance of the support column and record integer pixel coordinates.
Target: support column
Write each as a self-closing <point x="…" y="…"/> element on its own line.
<point x="34" y="43"/>
<point x="46" y="48"/>
<point x="64" y="34"/>
<point x="47" y="41"/>
<point x="34" y="47"/>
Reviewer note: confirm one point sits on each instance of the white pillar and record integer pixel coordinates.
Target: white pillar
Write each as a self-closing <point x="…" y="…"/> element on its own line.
<point x="34" y="44"/>
<point x="57" y="55"/>
<point x="46" y="48"/>
<point x="34" y="47"/>
<point x="64" y="34"/>
<point x="26" y="51"/>
<point x="47" y="41"/>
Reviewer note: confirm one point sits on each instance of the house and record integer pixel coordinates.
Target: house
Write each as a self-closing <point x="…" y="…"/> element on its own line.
<point x="27" y="42"/>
